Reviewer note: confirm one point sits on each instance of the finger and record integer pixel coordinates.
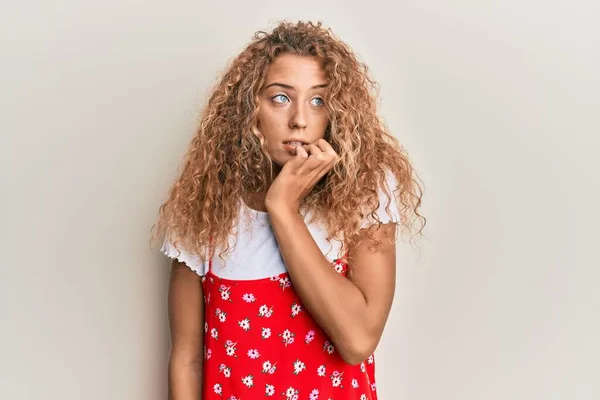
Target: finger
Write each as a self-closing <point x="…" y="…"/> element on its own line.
<point x="326" y="167"/>
<point x="297" y="161"/>
<point x="319" y="173"/>
<point x="325" y="146"/>
<point x="315" y="159"/>
<point x="327" y="153"/>
<point x="314" y="149"/>
<point x="301" y="152"/>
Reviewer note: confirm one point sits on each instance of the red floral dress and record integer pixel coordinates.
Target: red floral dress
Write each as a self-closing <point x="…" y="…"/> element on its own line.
<point x="261" y="343"/>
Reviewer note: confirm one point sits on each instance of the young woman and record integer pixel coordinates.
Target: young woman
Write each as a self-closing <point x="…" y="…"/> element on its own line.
<point x="282" y="227"/>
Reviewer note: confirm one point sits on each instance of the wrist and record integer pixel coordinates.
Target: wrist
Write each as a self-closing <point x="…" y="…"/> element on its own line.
<point x="281" y="209"/>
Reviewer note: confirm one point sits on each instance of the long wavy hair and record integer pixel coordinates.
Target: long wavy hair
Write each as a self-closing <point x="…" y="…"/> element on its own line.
<point x="227" y="160"/>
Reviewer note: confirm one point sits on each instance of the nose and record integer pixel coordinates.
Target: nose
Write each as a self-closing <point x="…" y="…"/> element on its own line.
<point x="298" y="117"/>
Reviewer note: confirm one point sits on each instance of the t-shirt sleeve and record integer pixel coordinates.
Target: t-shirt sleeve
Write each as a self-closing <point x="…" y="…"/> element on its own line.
<point x="194" y="262"/>
<point x="391" y="184"/>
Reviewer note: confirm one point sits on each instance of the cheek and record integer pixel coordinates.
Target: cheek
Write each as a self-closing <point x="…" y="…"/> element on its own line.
<point x="273" y="126"/>
<point x="323" y="124"/>
<point x="267" y="121"/>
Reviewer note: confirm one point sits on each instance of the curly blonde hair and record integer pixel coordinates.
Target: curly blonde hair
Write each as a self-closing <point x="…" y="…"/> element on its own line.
<point x="227" y="160"/>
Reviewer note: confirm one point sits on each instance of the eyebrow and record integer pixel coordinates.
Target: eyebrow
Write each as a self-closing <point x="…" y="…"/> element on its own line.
<point x="283" y="85"/>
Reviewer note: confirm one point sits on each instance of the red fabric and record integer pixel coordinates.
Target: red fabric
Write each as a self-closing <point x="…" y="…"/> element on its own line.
<point x="261" y="343"/>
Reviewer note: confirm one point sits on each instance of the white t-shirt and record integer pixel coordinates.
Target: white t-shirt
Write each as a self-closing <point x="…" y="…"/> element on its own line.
<point x="256" y="254"/>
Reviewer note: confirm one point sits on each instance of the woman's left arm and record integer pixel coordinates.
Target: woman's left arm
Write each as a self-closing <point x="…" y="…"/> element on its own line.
<point x="353" y="311"/>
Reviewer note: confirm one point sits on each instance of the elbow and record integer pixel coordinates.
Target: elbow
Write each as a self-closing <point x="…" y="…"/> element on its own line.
<point x="186" y="361"/>
<point x="357" y="348"/>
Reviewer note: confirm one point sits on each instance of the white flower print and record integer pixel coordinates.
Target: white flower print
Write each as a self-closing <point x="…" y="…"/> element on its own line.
<point x="226" y="371"/>
<point x="328" y="347"/>
<point x="230" y="348"/>
<point x="309" y="336"/>
<point x="336" y="379"/>
<point x="287" y="337"/>
<point x="370" y="359"/>
<point x="266" y="333"/>
<point x="248" y="381"/>
<point x="373" y="387"/>
<point x="362" y="367"/>
<point x="223" y="368"/>
<point x="248" y="297"/>
<point x="291" y="392"/>
<point x="222" y="315"/>
<point x="314" y="395"/>
<point x="214" y="333"/>
<point x="205" y="327"/>
<point x="299" y="366"/>
<point x="321" y="370"/>
<point x="244" y="324"/>
<point x="217" y="388"/>
<point x="253" y="354"/>
<point x="296" y="309"/>
<point x="355" y="383"/>
<point x="233" y="398"/>
<point x="207" y="354"/>
<point x="363" y="397"/>
<point x="269" y="390"/>
<point x="339" y="267"/>
<point x="225" y="292"/>
<point x="264" y="311"/>
<point x="269" y="368"/>
<point x="266" y="366"/>
<point x="284" y="283"/>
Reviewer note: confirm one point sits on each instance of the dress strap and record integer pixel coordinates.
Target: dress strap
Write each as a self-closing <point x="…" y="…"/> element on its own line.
<point x="209" y="255"/>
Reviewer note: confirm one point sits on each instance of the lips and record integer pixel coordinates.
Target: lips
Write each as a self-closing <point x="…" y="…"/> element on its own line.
<point x="291" y="145"/>
<point x="295" y="142"/>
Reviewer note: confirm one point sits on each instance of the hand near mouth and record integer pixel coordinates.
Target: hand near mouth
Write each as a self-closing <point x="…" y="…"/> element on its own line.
<point x="299" y="175"/>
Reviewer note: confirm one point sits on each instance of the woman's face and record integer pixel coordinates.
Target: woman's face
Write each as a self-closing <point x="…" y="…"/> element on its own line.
<point x="292" y="106"/>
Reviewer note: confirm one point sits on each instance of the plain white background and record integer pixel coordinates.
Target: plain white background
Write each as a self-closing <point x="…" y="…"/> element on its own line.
<point x="497" y="102"/>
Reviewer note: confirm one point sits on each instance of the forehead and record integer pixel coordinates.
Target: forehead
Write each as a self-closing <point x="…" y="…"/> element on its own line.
<point x="296" y="70"/>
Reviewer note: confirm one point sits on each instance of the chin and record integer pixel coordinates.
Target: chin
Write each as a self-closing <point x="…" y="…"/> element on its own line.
<point x="279" y="162"/>
<point x="281" y="158"/>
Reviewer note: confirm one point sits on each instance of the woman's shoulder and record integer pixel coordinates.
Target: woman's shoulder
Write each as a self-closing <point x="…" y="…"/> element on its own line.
<point x="175" y="251"/>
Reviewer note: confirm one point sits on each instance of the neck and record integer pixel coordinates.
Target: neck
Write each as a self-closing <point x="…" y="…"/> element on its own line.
<point x="276" y="170"/>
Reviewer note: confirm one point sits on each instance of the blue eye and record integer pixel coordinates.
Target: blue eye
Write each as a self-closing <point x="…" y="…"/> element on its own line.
<point x="319" y="100"/>
<point x="281" y="96"/>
